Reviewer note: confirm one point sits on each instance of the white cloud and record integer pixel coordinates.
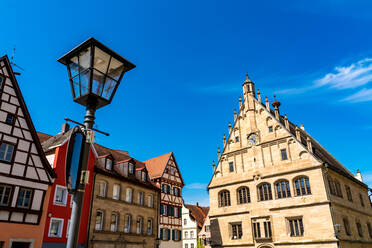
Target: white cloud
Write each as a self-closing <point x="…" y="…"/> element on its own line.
<point x="196" y="186"/>
<point x="348" y="77"/>
<point x="363" y="95"/>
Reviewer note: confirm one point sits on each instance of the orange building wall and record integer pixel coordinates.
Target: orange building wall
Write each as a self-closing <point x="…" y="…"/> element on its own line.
<point x="26" y="231"/>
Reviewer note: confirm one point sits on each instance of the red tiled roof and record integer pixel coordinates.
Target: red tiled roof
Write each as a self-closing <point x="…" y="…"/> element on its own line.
<point x="43" y="136"/>
<point x="156" y="166"/>
<point x="198" y="213"/>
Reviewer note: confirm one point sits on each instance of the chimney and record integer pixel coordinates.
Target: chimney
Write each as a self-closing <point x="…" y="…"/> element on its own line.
<point x="358" y="175"/>
<point x="65" y="127"/>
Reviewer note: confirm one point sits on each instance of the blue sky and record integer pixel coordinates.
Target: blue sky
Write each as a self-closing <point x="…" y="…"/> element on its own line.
<point x="191" y="59"/>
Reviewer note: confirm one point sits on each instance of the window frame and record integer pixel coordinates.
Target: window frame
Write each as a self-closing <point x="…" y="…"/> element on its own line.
<point x="306" y="186"/>
<point x="224" y="199"/>
<point x="60" y="230"/>
<point x="102" y="220"/>
<point x="262" y="194"/>
<point x="284" y="189"/>
<point x="5" y="152"/>
<point x="231" y="166"/>
<point x="104" y="184"/>
<point x="10" y="197"/>
<point x="109" y="161"/>
<point x="283" y="154"/>
<point x="114" y="224"/>
<point x="299" y="224"/>
<point x="118" y="193"/>
<point x="346" y="226"/>
<point x="13" y="119"/>
<point x="139" y="225"/>
<point x="243" y="197"/>
<point x="127" y="223"/>
<point x="237" y="228"/>
<point x="31" y="197"/>
<point x="150" y="230"/>
<point x="131" y="195"/>
<point x="65" y="197"/>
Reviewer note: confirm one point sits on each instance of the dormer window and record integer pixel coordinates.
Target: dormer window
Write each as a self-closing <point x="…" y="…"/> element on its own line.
<point x="131" y="168"/>
<point x="108" y="164"/>
<point x="143" y="176"/>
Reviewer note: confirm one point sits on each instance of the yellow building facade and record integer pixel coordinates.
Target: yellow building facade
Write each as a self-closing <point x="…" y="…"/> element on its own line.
<point x="275" y="186"/>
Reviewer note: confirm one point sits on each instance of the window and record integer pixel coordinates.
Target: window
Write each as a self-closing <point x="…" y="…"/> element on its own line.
<point x="236" y="231"/>
<point x="108" y="164"/>
<point x="302" y="186"/>
<point x="191" y="245"/>
<point x="168" y="189"/>
<point x="10" y="119"/>
<point x="359" y="228"/>
<point x="6" y="152"/>
<point x="264" y="191"/>
<point x="172" y="171"/>
<point x="332" y="186"/>
<point x="150" y="202"/>
<point x="243" y="195"/>
<point x="191" y="234"/>
<point x="60" y="196"/>
<point x="207" y="228"/>
<point x="224" y="198"/>
<point x="176" y="191"/>
<point x="348" y="193"/>
<point x="129" y="195"/>
<point x="131" y="168"/>
<point x="186" y="246"/>
<point x="231" y="166"/>
<point x="270" y="129"/>
<point x="140" y="198"/>
<point x="149" y="227"/>
<point x="186" y="235"/>
<point x="361" y="200"/>
<point x="256" y="230"/>
<point x="347" y="227"/>
<point x="237" y="139"/>
<point x="296" y="227"/>
<point x="114" y="222"/>
<point x="116" y="192"/>
<point x="143" y="176"/>
<point x="283" y="152"/>
<point x="5" y="192"/>
<point x="369" y="229"/>
<point x="139" y="225"/>
<point x="267" y="228"/>
<point x="24" y="198"/>
<point x="165" y="210"/>
<point x="185" y="221"/>
<point x="338" y="189"/>
<point x="127" y="223"/>
<point x="102" y="188"/>
<point x="176" y="212"/>
<point x="55" y="227"/>
<point x="99" y="221"/>
<point x="282" y="189"/>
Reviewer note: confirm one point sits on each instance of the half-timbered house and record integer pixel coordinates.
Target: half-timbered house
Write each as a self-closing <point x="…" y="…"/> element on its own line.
<point x="25" y="174"/>
<point x="164" y="172"/>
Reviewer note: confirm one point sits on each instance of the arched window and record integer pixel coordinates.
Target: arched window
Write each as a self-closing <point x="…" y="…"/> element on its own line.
<point x="102" y="185"/>
<point x="302" y="186"/>
<point x="224" y="198"/>
<point x="150" y="201"/>
<point x="264" y="192"/>
<point x="99" y="220"/>
<point x="282" y="189"/>
<point x="129" y="195"/>
<point x="243" y="195"/>
<point x="114" y="222"/>
<point x="338" y="189"/>
<point x="139" y="225"/>
<point x="127" y="223"/>
<point x="359" y="228"/>
<point x="149" y="226"/>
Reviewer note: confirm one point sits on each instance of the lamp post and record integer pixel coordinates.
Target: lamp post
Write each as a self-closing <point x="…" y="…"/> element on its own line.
<point x="95" y="72"/>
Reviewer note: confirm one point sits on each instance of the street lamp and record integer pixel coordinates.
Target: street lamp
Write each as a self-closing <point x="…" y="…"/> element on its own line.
<point x="95" y="72"/>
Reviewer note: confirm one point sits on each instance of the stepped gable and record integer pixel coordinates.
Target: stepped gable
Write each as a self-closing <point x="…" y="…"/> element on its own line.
<point x="317" y="150"/>
<point x="198" y="213"/>
<point x="156" y="166"/>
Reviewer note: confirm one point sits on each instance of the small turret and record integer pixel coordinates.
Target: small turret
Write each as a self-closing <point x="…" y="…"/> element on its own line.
<point x="358" y="175"/>
<point x="229" y="127"/>
<point x="224" y="139"/>
<point x="248" y="86"/>
<point x="219" y="153"/>
<point x="267" y="103"/>
<point x="235" y="115"/>
<point x="240" y="102"/>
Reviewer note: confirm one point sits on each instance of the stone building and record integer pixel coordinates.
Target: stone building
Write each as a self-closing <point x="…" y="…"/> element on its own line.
<point x="125" y="203"/>
<point x="205" y="233"/>
<point x="193" y="217"/>
<point x="276" y="186"/>
<point x="164" y="172"/>
<point x="25" y="174"/>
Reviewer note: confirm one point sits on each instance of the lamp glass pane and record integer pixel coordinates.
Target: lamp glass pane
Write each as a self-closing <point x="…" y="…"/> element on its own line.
<point x="74" y="66"/>
<point x="101" y="60"/>
<point x="98" y="82"/>
<point x="116" y="68"/>
<point x="75" y="86"/>
<point x="108" y="89"/>
<point x="84" y="59"/>
<point x="84" y="82"/>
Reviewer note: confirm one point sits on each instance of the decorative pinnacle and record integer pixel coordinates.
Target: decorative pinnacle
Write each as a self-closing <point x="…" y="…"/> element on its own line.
<point x="358" y="171"/>
<point x="247" y="79"/>
<point x="213" y="163"/>
<point x="285" y="116"/>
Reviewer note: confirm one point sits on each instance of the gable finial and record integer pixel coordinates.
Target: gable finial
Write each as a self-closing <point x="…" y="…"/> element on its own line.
<point x="247" y="79"/>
